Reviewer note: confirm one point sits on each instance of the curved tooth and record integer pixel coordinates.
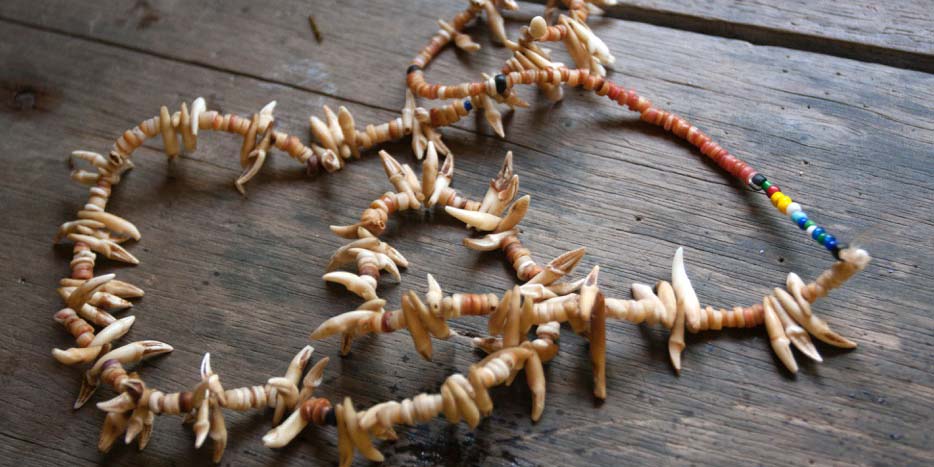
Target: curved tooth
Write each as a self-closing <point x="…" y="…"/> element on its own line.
<point x="443" y="180"/>
<point x="119" y="404"/>
<point x="354" y="283"/>
<point x="346" y="231"/>
<point x="113" y="222"/>
<point x="434" y="296"/>
<point x="798" y="336"/>
<point x="198" y="107"/>
<point x="83" y="292"/>
<point x="559" y="267"/>
<point x="475" y="219"/>
<point x="565" y="288"/>
<point x="780" y="343"/>
<point x="644" y="292"/>
<point x="75" y="355"/>
<point x="588" y="294"/>
<point x="489" y="242"/>
<point x="684" y="291"/>
<point x="258" y="156"/>
<point x="676" y="343"/>
<point x="313" y="379"/>
<point x="322" y="134"/>
<point x="429" y="170"/>
<point x="816" y="326"/>
<point x="74" y="226"/>
<point x="113" y="331"/>
<point x="515" y="214"/>
<point x="342" y="323"/>
<point x="108" y="248"/>
<point x="343" y="254"/>
<point x="286" y="432"/>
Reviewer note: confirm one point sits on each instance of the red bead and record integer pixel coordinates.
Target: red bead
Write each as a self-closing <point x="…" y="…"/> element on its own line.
<point x="772" y="190"/>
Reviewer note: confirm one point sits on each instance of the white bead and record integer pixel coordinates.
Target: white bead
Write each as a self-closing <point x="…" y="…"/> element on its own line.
<point x="810" y="229"/>
<point x="792" y="208"/>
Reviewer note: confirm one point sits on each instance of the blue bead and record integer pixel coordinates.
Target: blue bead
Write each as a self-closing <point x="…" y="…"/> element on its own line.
<point x="801" y="219"/>
<point x="830" y="242"/>
<point x="797" y="215"/>
<point x="468" y="105"/>
<point x="816" y="233"/>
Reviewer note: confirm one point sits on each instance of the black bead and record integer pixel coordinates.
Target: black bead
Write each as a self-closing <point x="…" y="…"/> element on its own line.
<point x="412" y="68"/>
<point x="500" y="80"/>
<point x="758" y="179"/>
<point x="330" y="418"/>
<point x="837" y="249"/>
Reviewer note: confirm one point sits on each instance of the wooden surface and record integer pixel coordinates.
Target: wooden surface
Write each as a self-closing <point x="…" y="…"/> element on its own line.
<point x="240" y="277"/>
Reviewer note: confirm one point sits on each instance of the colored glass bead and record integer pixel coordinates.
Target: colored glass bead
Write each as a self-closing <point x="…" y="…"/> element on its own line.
<point x="783" y="204"/>
<point x="758" y="180"/>
<point x="500" y="81"/>
<point x="793" y="208"/>
<point x="798" y="217"/>
<point x="766" y="184"/>
<point x="830" y="242"/>
<point x="817" y="232"/>
<point x="468" y="105"/>
<point x="808" y="223"/>
<point x="820" y="238"/>
<point x="771" y="190"/>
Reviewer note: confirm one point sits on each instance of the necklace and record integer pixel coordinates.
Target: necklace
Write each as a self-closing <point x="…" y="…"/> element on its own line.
<point x="541" y="303"/>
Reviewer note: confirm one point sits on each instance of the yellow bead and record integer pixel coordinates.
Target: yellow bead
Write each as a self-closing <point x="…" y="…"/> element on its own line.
<point x="783" y="204"/>
<point x="776" y="197"/>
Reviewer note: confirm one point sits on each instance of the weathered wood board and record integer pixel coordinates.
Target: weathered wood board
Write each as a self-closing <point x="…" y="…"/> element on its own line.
<point x="240" y="277"/>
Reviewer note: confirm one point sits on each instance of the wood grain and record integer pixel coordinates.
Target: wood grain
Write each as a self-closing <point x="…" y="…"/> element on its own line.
<point x="240" y="277"/>
<point x="896" y="33"/>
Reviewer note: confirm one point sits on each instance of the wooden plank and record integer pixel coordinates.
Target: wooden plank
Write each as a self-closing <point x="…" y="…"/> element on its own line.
<point x="253" y="279"/>
<point x="896" y="33"/>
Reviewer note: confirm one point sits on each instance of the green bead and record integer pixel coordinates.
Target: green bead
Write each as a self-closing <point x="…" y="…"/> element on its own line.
<point x="821" y="237"/>
<point x="766" y="184"/>
<point x="808" y="224"/>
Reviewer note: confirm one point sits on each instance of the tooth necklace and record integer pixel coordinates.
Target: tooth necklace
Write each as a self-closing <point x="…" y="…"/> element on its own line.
<point x="538" y="306"/>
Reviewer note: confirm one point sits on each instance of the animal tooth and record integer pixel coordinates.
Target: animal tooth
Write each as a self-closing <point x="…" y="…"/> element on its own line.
<point x="443" y="180"/>
<point x="684" y="291"/>
<point x="598" y="343"/>
<point x="781" y="345"/>
<point x="83" y="292"/>
<point x="346" y="231"/>
<point x="816" y="326"/>
<point x="198" y="107"/>
<point x="475" y="219"/>
<point x="287" y="431"/>
<point x="644" y="292"/>
<point x="429" y="170"/>
<point x="515" y="214"/>
<point x="354" y="283"/>
<point x="588" y="294"/>
<point x="489" y="242"/>
<point x="343" y="254"/>
<point x="108" y="248"/>
<point x="113" y="222"/>
<point x="559" y="267"/>
<point x="798" y="336"/>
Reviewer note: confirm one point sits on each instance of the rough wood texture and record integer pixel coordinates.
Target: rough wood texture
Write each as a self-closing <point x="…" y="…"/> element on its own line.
<point x="239" y="277"/>
<point x="898" y="33"/>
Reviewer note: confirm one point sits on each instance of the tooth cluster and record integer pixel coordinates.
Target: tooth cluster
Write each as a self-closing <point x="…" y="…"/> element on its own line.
<point x="541" y="303"/>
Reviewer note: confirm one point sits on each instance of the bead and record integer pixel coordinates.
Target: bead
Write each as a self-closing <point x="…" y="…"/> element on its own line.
<point x="758" y="180"/>
<point x="817" y="232"/>
<point x="810" y="230"/>
<point x="830" y="242"/>
<point x="771" y="190"/>
<point x="776" y="197"/>
<point x="330" y="418"/>
<point x="821" y="237"/>
<point x="468" y="105"/>
<point x="783" y="204"/>
<point x="808" y="224"/>
<point x="766" y="185"/>
<point x="500" y="80"/>
<point x="412" y="68"/>
<point x="799" y="217"/>
<point x="793" y="208"/>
